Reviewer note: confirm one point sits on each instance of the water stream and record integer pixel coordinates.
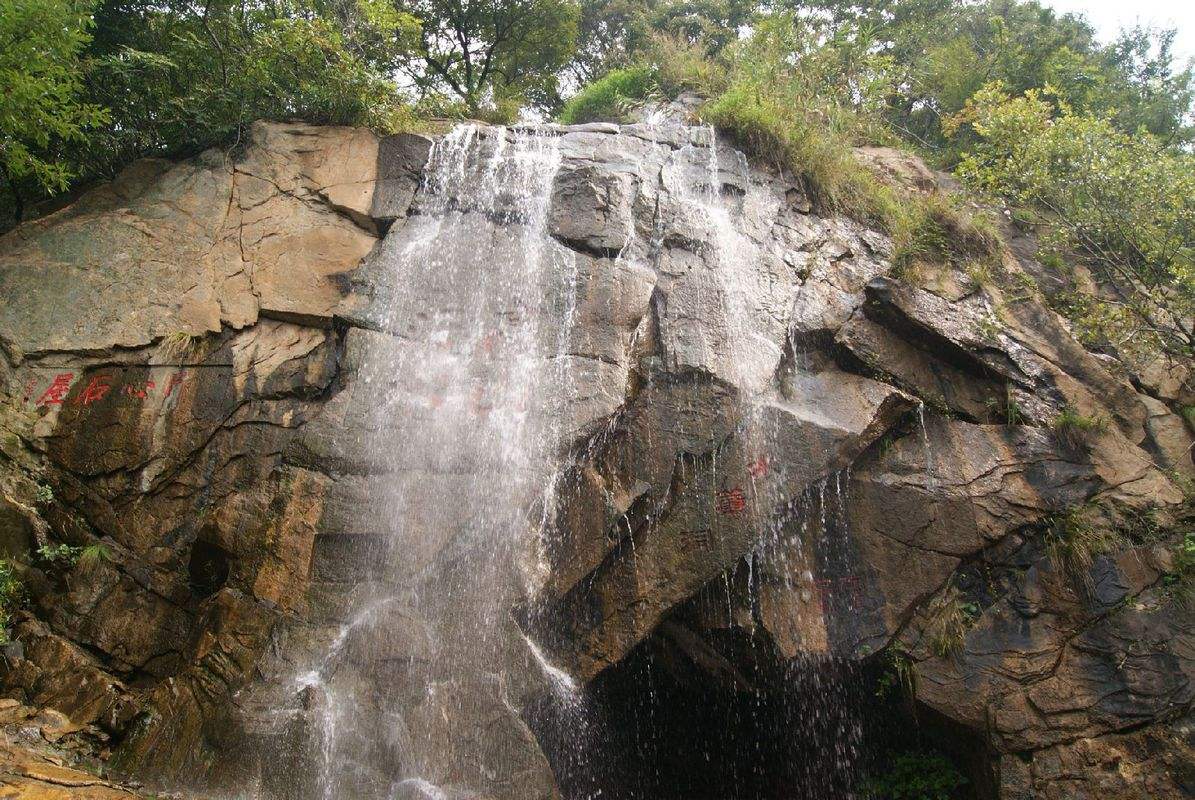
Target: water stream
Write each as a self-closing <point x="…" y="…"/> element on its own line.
<point x="467" y="449"/>
<point x="469" y="378"/>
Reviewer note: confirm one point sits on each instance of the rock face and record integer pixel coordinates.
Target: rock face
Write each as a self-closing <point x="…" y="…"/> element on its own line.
<point x="750" y="408"/>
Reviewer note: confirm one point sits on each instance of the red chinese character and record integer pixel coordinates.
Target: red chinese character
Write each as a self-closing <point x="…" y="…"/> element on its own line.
<point x="852" y="587"/>
<point x="132" y="390"/>
<point x="845" y="589"/>
<point x="489" y="342"/>
<point x="96" y="388"/>
<point x="30" y="388"/>
<point x="824" y="588"/>
<point x="730" y="502"/>
<point x="176" y="379"/>
<point x="478" y="402"/>
<point x="58" y="389"/>
<point x="758" y="468"/>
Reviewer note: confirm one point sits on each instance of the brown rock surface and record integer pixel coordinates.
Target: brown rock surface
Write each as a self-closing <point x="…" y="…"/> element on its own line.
<point x="756" y="417"/>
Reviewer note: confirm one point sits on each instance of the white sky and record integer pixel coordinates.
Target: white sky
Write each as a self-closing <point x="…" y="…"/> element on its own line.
<point x="1109" y="16"/>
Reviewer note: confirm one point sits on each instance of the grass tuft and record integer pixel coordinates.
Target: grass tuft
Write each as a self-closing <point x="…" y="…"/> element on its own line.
<point x="609" y="97"/>
<point x="1073" y="542"/>
<point x="835" y="181"/>
<point x="93" y="554"/>
<point x="952" y="615"/>
<point x="1075" y="430"/>
<point x="932" y="228"/>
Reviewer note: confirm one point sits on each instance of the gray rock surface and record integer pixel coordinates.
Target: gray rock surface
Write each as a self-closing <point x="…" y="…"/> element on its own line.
<point x="749" y="404"/>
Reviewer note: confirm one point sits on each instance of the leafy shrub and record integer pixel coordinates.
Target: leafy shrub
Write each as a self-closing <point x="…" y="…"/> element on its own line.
<point x="915" y="776"/>
<point x="1121" y="201"/>
<point x="11" y="596"/>
<point x="41" y="107"/>
<point x="172" y="79"/>
<point x="59" y="554"/>
<point x="608" y="97"/>
<point x="898" y="673"/>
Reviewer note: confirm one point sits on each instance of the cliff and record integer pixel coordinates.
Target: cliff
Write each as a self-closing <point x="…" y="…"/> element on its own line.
<point x="747" y="451"/>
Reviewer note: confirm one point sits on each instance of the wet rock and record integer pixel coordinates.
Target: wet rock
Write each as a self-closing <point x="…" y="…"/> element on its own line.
<point x="31" y="775"/>
<point x="688" y="517"/>
<point x="748" y="407"/>
<point x="591" y="209"/>
<point x="401" y="159"/>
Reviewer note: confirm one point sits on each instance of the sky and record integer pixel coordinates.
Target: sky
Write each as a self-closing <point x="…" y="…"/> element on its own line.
<point x="1109" y="16"/>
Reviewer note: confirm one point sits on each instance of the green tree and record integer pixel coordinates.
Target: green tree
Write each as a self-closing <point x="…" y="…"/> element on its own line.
<point x="712" y="23"/>
<point x="182" y="77"/>
<point x="41" y="81"/>
<point x="1122" y="204"/>
<point x="493" y="52"/>
<point x="611" y="35"/>
<point x="89" y="87"/>
<point x="943" y="51"/>
<point x="615" y="34"/>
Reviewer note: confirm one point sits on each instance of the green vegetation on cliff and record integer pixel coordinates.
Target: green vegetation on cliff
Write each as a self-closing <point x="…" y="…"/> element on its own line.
<point x="1087" y="142"/>
<point x="1088" y="145"/>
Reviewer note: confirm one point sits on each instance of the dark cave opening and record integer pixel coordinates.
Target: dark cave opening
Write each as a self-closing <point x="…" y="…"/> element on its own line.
<point x="817" y="729"/>
<point x="208" y="568"/>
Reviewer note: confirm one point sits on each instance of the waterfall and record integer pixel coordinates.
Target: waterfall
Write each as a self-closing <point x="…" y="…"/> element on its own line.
<point x="474" y="323"/>
<point x="430" y="684"/>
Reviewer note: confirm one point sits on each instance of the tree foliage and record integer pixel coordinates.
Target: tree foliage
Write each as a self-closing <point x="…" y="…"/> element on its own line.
<point x="42" y="109"/>
<point x="126" y="79"/>
<point x="1090" y="142"/>
<point x="1124" y="204"/>
<point x="943" y="51"/>
<point x="183" y="77"/>
<point x="494" y="51"/>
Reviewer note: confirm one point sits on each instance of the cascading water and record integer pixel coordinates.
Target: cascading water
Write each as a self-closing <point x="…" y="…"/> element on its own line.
<point x="472" y="384"/>
<point x="466" y="443"/>
<point x="641" y="735"/>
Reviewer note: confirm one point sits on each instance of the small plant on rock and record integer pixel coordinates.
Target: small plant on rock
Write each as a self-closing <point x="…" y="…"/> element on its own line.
<point x="59" y="554"/>
<point x="898" y="675"/>
<point x="1006" y="408"/>
<point x="11" y="596"/>
<point x="179" y="344"/>
<point x="1180" y="583"/>
<point x="1076" y="430"/>
<point x="952" y="615"/>
<point x="94" y="554"/>
<point x="1072" y="543"/>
